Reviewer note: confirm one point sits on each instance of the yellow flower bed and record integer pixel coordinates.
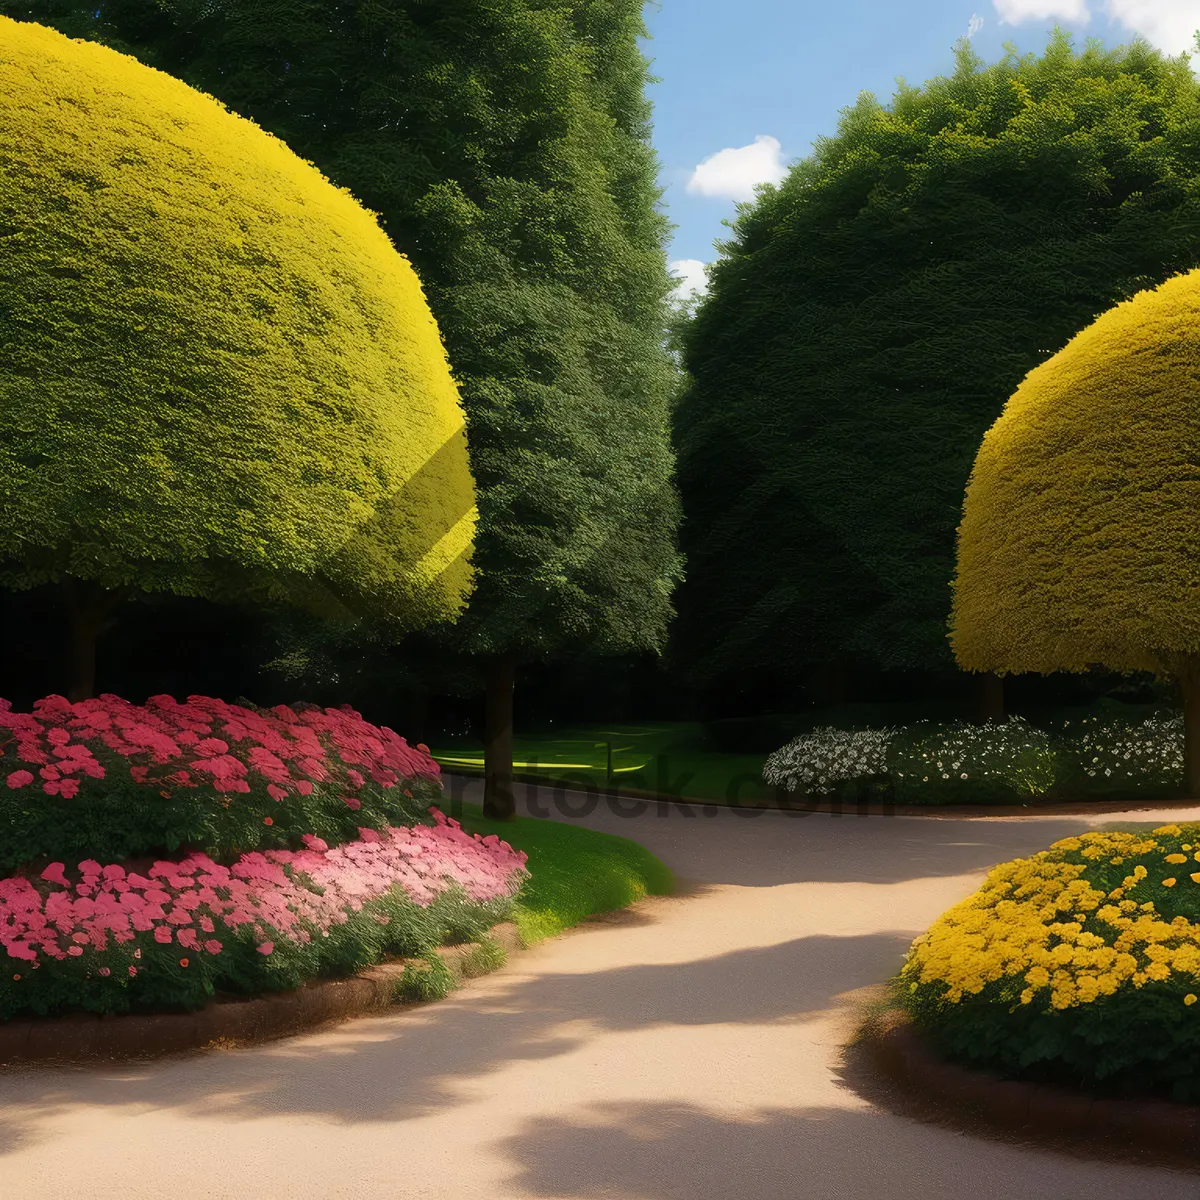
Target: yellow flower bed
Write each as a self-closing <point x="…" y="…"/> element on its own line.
<point x="1079" y="950"/>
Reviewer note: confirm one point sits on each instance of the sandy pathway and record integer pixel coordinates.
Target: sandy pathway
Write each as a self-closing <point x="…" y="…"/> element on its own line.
<point x="687" y="1050"/>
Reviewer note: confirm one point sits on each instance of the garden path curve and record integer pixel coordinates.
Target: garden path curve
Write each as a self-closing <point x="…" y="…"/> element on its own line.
<point x="685" y="1050"/>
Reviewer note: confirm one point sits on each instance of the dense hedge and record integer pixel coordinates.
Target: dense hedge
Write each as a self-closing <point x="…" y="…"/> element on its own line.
<point x="218" y="373"/>
<point x="1079" y="964"/>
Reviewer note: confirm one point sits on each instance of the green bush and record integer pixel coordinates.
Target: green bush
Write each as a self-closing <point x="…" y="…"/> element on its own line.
<point x="427" y="979"/>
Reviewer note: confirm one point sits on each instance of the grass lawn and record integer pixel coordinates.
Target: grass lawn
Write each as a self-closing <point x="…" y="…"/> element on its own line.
<point x="575" y="872"/>
<point x="667" y="757"/>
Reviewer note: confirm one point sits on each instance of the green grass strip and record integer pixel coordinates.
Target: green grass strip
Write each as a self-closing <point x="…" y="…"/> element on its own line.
<point x="574" y="872"/>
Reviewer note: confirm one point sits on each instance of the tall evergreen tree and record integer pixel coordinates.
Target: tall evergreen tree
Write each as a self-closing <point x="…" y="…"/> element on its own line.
<point x="505" y="146"/>
<point x="868" y="319"/>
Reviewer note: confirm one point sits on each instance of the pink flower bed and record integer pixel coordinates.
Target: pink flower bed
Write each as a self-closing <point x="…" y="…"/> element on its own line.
<point x="185" y="745"/>
<point x="276" y="894"/>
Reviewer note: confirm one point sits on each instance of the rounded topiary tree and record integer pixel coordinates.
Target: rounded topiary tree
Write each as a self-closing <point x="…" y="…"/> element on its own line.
<point x="217" y="375"/>
<point x="1080" y="537"/>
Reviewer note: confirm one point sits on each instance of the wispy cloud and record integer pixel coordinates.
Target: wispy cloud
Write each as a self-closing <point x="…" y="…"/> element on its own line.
<point x="1017" y="12"/>
<point x="1168" y="24"/>
<point x="974" y="25"/>
<point x="733" y="172"/>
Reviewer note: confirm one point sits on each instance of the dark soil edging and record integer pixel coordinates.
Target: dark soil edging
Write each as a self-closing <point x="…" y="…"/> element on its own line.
<point x="782" y="801"/>
<point x="86" y="1037"/>
<point x="1162" y="1128"/>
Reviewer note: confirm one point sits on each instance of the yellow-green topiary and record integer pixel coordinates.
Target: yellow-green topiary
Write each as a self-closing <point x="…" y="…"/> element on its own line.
<point x="1080" y="537"/>
<point x="217" y="375"/>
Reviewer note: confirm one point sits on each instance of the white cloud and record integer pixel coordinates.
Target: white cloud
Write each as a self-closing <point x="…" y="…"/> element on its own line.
<point x="1168" y="24"/>
<point x="691" y="271"/>
<point x="974" y="25"/>
<point x="1016" y="12"/>
<point x="734" y="171"/>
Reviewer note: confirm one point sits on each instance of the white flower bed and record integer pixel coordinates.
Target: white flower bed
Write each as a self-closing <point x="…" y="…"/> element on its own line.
<point x="1117" y="751"/>
<point x="1011" y="755"/>
<point x="819" y="760"/>
<point x="999" y="762"/>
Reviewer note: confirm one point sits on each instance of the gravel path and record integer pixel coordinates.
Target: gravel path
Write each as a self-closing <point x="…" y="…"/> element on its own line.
<point x="685" y="1050"/>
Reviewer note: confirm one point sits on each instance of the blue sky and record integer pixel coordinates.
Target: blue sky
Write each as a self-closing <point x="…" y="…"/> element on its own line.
<point x="748" y="84"/>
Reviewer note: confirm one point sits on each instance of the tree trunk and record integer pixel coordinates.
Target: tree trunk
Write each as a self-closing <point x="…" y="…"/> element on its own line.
<point x="989" y="697"/>
<point x="498" y="801"/>
<point x="88" y="607"/>
<point x="1189" y="689"/>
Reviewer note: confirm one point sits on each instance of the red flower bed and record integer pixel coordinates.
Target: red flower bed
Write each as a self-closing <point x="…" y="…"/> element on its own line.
<point x="115" y="779"/>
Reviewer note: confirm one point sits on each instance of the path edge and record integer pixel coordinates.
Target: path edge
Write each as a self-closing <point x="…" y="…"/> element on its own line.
<point x="229" y="1024"/>
<point x="898" y="1052"/>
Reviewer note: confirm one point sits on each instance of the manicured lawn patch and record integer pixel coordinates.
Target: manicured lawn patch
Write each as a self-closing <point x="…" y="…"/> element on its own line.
<point x="675" y="758"/>
<point x="574" y="872"/>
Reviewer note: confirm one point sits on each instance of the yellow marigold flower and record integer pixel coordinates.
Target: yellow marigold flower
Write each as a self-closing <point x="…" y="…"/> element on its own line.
<point x="1159" y="971"/>
<point x="1190" y="999"/>
<point x="1176" y="858"/>
<point x="1139" y="872"/>
<point x="1027" y="995"/>
<point x="1168" y="883"/>
<point x="1167" y="831"/>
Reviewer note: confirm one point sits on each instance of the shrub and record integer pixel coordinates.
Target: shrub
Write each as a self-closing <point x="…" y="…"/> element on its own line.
<point x="1081" y="963"/>
<point x="426" y="979"/>
<point x="997" y="763"/>
<point x="821" y="760"/>
<point x="108" y="779"/>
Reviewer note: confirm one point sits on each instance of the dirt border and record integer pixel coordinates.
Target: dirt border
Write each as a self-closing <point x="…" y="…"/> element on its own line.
<point x="847" y="808"/>
<point x="86" y="1037"/>
<point x="1005" y="1106"/>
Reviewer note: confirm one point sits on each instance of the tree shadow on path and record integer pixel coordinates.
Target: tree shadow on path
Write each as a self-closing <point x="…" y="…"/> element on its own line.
<point x="416" y="1062"/>
<point x="682" y="1152"/>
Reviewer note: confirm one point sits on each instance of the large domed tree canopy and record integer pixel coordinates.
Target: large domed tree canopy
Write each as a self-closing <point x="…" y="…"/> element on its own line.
<point x="868" y="319"/>
<point x="506" y="146"/>
<point x="1080" y="535"/>
<point x="217" y="375"/>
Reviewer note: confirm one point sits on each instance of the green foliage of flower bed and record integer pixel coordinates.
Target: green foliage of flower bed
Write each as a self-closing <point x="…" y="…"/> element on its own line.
<point x="1097" y="757"/>
<point x="574" y="872"/>
<point x="1079" y="965"/>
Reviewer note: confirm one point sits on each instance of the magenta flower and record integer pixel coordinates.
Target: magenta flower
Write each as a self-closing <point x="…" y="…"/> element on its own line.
<point x="20" y="779"/>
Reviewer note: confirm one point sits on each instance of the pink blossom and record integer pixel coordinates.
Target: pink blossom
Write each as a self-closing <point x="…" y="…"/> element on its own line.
<point x="20" y="779"/>
<point x="266" y="947"/>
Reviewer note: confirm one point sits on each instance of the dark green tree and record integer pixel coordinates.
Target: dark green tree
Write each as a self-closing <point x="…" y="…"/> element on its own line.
<point x="868" y="319"/>
<point x="505" y="146"/>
